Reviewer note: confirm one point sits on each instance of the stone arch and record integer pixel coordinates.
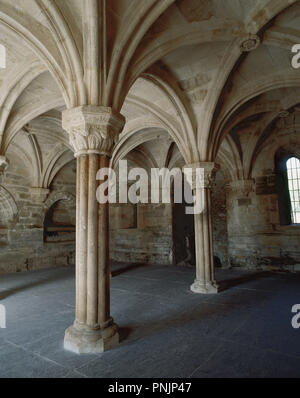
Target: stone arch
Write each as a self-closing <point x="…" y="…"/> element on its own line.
<point x="8" y="208"/>
<point x="57" y="196"/>
<point x="271" y="148"/>
<point x="59" y="218"/>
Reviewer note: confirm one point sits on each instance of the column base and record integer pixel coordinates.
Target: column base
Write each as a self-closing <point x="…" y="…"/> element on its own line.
<point x="84" y="341"/>
<point x="205" y="287"/>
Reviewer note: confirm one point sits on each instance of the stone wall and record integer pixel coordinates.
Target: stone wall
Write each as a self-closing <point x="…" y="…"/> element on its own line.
<point x="37" y="226"/>
<point x="22" y="213"/>
<point x="219" y="221"/>
<point x="141" y="233"/>
<point x="256" y="238"/>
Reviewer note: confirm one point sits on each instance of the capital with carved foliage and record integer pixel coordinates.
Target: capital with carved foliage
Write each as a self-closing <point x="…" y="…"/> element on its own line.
<point x="206" y="171"/>
<point x="92" y="129"/>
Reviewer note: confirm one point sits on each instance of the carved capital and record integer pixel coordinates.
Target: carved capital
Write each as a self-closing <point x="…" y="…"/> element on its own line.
<point x="206" y="171"/>
<point x="241" y="187"/>
<point x="92" y="129"/>
<point x="3" y="164"/>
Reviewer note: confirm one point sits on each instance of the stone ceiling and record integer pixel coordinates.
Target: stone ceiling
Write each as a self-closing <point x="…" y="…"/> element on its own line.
<point x="213" y="76"/>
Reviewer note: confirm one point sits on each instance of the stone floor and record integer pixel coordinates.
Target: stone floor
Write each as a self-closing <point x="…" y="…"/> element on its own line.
<point x="167" y="331"/>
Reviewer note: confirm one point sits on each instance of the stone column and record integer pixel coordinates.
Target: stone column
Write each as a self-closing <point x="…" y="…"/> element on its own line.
<point x="93" y="130"/>
<point x="204" y="282"/>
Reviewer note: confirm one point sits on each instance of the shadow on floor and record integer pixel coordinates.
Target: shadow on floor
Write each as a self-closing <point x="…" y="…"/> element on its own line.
<point x="229" y="283"/>
<point x="200" y="319"/>
<point x="40" y="282"/>
<point x="124" y="333"/>
<point x="202" y="313"/>
<point x="124" y="267"/>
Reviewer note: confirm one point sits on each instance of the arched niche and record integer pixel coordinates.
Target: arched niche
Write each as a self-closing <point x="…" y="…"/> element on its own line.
<point x="8" y="214"/>
<point x="60" y="218"/>
<point x="8" y="208"/>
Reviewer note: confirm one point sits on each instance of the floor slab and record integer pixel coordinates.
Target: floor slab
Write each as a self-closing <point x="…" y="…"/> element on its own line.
<point x="166" y="330"/>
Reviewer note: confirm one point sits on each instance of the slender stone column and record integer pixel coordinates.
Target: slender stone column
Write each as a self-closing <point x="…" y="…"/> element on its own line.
<point x="204" y="282"/>
<point x="93" y="131"/>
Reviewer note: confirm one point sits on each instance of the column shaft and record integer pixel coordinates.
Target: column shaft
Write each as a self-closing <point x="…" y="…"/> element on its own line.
<point x="81" y="244"/>
<point x="92" y="244"/>
<point x="204" y="282"/>
<point x="93" y="329"/>
<point x="104" y="268"/>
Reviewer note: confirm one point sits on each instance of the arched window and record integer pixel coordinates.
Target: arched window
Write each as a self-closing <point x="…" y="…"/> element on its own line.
<point x="293" y="174"/>
<point x="287" y="165"/>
